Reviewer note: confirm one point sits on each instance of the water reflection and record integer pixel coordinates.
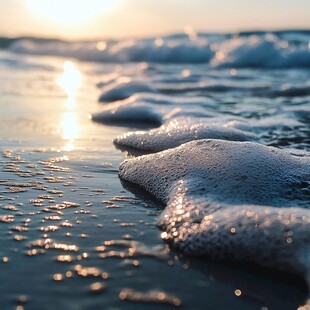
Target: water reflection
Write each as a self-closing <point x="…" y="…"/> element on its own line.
<point x="70" y="129"/>
<point x="70" y="81"/>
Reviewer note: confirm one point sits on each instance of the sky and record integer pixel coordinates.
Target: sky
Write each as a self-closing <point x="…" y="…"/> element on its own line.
<point x="87" y="19"/>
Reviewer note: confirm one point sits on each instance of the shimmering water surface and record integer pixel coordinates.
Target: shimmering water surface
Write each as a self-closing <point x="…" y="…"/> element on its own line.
<point x="72" y="237"/>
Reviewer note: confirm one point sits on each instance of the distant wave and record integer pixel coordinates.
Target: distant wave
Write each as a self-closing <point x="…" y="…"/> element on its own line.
<point x="281" y="49"/>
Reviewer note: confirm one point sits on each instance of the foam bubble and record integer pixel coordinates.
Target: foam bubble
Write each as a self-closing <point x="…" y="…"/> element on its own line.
<point x="238" y="201"/>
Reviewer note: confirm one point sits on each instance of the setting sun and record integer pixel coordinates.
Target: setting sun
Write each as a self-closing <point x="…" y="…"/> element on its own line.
<point x="70" y="12"/>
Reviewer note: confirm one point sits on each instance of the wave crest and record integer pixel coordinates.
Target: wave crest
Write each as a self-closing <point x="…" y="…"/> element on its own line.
<point x="264" y="50"/>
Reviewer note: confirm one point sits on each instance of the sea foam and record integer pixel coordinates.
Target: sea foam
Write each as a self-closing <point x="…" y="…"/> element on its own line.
<point x="238" y="201"/>
<point x="123" y="89"/>
<point x="263" y="50"/>
<point x="146" y="108"/>
<point x="182" y="130"/>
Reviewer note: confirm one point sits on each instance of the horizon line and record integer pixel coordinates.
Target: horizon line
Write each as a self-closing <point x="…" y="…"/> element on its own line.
<point x="164" y="34"/>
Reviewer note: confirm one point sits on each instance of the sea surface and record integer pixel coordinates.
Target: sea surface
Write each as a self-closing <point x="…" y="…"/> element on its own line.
<point x="155" y="173"/>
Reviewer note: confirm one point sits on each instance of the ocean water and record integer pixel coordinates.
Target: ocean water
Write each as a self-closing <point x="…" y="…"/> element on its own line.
<point x="155" y="173"/>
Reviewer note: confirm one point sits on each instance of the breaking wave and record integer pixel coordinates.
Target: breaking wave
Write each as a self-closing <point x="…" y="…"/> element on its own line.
<point x="282" y="49"/>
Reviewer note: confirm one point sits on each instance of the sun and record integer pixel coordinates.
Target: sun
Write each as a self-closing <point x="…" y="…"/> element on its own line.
<point x="70" y="12"/>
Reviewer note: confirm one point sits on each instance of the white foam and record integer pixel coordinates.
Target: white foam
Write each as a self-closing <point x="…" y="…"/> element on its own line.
<point x="134" y="113"/>
<point x="185" y="119"/>
<point x="123" y="89"/>
<point x="249" y="51"/>
<point x="237" y="201"/>
<point x="152" y="109"/>
<point x="179" y="131"/>
<point x="260" y="51"/>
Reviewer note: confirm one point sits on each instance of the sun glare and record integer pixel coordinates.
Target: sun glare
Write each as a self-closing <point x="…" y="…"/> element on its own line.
<point x="70" y="12"/>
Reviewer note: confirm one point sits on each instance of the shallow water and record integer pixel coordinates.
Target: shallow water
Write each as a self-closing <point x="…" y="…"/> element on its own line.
<point x="53" y="153"/>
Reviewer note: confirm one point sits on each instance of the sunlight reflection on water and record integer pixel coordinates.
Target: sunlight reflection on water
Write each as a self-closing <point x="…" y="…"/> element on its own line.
<point x="70" y="81"/>
<point x="70" y="129"/>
